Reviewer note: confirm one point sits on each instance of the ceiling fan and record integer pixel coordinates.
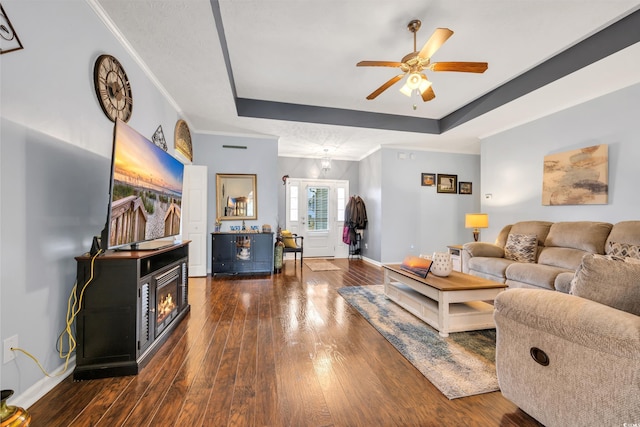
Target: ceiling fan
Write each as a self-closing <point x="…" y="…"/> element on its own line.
<point x="416" y="62"/>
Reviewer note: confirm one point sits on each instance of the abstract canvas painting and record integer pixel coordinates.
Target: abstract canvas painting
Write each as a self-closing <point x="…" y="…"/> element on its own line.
<point x="577" y="177"/>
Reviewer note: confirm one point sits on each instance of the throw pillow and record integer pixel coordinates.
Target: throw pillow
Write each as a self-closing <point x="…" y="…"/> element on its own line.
<point x="609" y="280"/>
<point x="521" y="247"/>
<point x="624" y="250"/>
<point x="287" y="239"/>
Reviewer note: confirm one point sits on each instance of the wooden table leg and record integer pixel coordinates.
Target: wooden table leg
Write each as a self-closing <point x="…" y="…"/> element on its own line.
<point x="443" y="313"/>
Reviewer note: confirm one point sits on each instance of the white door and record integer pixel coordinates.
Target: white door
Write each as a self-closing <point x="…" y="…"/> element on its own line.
<point x="194" y="214"/>
<point x="315" y="210"/>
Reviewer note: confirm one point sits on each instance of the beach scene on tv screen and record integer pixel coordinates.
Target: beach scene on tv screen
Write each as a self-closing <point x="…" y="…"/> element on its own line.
<point x="146" y="195"/>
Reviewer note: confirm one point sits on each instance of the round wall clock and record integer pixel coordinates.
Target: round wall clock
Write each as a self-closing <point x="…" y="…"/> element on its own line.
<point x="113" y="88"/>
<point x="182" y="139"/>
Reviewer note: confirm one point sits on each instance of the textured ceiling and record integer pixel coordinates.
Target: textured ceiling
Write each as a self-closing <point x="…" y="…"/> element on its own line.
<point x="301" y="54"/>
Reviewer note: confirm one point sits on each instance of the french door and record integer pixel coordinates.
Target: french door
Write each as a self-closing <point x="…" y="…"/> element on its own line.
<point x="315" y="210"/>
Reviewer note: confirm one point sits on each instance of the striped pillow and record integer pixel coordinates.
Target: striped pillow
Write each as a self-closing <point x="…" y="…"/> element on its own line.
<point x="521" y="247"/>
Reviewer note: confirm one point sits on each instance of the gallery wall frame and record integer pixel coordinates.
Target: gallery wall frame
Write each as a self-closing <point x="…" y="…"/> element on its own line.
<point x="447" y="183"/>
<point x="428" y="179"/>
<point x="465" y="187"/>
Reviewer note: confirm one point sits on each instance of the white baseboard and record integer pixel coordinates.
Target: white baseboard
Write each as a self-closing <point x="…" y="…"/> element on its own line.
<point x="371" y="261"/>
<point x="44" y="386"/>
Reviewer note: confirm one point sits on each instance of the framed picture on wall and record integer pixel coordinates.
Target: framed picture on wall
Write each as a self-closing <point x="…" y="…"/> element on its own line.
<point x="428" y="179"/>
<point x="465" y="187"/>
<point x="447" y="183"/>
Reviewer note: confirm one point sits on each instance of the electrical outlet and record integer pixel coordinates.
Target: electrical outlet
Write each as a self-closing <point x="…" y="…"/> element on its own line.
<point x="8" y="344"/>
<point x="366" y="246"/>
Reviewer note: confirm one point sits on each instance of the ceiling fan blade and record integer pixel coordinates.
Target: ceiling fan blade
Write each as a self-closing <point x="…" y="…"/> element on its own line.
<point x="378" y="64"/>
<point x="428" y="94"/>
<point x="385" y="86"/>
<point x="464" y="67"/>
<point x="437" y="39"/>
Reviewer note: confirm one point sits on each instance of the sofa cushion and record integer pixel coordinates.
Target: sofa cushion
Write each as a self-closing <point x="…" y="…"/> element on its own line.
<point x="623" y="250"/>
<point x="610" y="281"/>
<point x="483" y="249"/>
<point x="542" y="276"/>
<point x="539" y="228"/>
<point x="521" y="247"/>
<point x="501" y="240"/>
<point x="489" y="267"/>
<point x="589" y="236"/>
<point x="625" y="232"/>
<point x="563" y="282"/>
<point x="561" y="257"/>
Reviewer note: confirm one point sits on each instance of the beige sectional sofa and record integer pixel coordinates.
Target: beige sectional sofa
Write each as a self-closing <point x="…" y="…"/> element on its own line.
<point x="558" y="253"/>
<point x="572" y="357"/>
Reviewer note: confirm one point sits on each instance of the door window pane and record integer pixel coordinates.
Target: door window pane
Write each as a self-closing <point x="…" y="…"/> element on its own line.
<point x="341" y="202"/>
<point x="293" y="203"/>
<point x="317" y="208"/>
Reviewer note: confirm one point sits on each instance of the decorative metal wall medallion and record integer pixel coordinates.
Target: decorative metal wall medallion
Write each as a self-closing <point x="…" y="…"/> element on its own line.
<point x="9" y="40"/>
<point x="158" y="138"/>
<point x="182" y="139"/>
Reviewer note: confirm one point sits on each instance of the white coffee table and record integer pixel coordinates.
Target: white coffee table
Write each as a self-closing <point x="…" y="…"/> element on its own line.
<point x="454" y="303"/>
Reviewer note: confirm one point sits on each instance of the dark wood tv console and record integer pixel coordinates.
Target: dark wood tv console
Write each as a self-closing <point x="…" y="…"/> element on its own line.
<point x="135" y="300"/>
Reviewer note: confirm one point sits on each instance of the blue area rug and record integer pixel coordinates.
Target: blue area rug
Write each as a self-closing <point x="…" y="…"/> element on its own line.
<point x="460" y="365"/>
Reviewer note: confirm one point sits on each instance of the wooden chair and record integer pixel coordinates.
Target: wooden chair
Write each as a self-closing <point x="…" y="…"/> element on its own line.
<point x="299" y="241"/>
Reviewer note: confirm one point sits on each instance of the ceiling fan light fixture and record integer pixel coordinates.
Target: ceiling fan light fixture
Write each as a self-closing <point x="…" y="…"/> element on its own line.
<point x="406" y="90"/>
<point x="424" y="84"/>
<point x="414" y="81"/>
<point x="325" y="162"/>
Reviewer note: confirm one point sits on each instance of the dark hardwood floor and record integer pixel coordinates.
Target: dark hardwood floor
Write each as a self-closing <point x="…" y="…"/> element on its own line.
<point x="284" y="350"/>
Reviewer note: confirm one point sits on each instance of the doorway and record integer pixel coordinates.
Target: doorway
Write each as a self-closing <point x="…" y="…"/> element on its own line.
<point x="315" y="210"/>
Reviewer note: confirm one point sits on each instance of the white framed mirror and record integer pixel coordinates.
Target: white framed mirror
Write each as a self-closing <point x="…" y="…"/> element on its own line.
<point x="236" y="197"/>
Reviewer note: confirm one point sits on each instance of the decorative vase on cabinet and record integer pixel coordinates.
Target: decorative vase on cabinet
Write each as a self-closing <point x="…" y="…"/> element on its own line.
<point x="442" y="264"/>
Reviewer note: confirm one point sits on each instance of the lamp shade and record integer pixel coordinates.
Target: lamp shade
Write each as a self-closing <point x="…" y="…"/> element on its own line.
<point x="476" y="220"/>
<point x="414" y="80"/>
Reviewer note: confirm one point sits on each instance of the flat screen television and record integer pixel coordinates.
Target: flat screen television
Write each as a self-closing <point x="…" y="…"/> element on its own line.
<point x="145" y="195"/>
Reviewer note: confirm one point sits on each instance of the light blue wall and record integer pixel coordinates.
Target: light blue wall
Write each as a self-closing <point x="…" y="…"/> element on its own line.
<point x="55" y="149"/>
<point x="371" y="193"/>
<point x="406" y="218"/>
<point x="512" y="162"/>
<point x="260" y="158"/>
<point x="417" y="219"/>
